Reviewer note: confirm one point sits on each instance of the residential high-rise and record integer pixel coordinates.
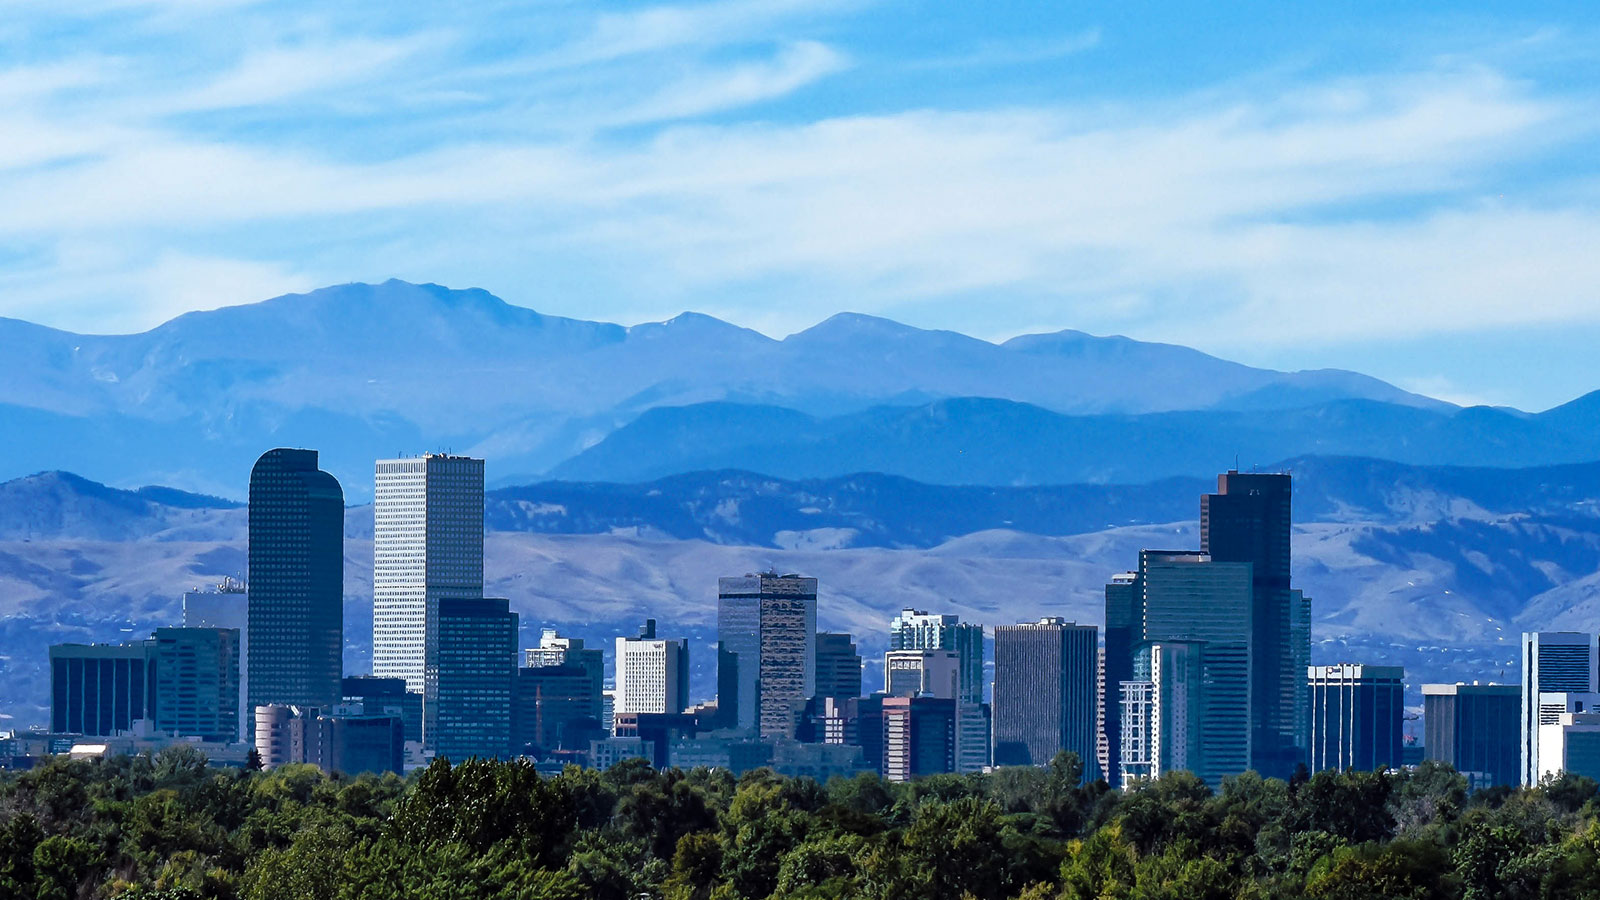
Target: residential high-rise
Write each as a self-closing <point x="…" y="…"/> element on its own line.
<point x="427" y="543"/>
<point x="1186" y="597"/>
<point x="1045" y="693"/>
<point x="1552" y="661"/>
<point x="197" y="682"/>
<point x="916" y="629"/>
<point x="767" y="632"/>
<point x="652" y="673"/>
<point x="469" y="678"/>
<point x="1356" y="714"/>
<point x="1161" y="711"/>
<point x="919" y="737"/>
<point x="838" y="666"/>
<point x="227" y="606"/>
<point x="101" y="689"/>
<point x="296" y="581"/>
<point x="1123" y="601"/>
<point x="1473" y="727"/>
<point x="1248" y="521"/>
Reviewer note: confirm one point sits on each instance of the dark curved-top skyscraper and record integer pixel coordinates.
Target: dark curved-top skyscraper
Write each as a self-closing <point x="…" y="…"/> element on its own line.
<point x="296" y="582"/>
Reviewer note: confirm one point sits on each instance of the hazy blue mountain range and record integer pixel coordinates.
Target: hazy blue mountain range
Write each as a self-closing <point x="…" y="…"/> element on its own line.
<point x="360" y="371"/>
<point x="862" y="510"/>
<point x="991" y="441"/>
<point x="1435" y="568"/>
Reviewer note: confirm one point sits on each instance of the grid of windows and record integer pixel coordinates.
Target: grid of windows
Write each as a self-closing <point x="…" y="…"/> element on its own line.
<point x="296" y="600"/>
<point x="427" y="544"/>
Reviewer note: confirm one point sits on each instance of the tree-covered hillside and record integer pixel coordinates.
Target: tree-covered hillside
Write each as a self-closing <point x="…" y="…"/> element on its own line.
<point x="171" y="828"/>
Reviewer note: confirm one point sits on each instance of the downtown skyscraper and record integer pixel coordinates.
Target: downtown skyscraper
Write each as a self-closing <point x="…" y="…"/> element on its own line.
<point x="296" y="615"/>
<point x="427" y="545"/>
<point x="767" y="651"/>
<point x="1044" y="693"/>
<point x="1248" y="521"/>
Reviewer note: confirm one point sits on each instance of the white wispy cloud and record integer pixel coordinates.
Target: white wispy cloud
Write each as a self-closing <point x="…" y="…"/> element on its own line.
<point x="277" y="74"/>
<point x="606" y="154"/>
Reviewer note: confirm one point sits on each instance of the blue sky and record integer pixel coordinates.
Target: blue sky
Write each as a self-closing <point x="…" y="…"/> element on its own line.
<point x="1412" y="193"/>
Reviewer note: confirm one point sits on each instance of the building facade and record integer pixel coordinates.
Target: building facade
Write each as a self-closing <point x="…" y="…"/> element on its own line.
<point x="226" y="606"/>
<point x="838" y="666"/>
<point x="1552" y="662"/>
<point x="1473" y="727"/>
<point x="386" y="696"/>
<point x="296" y="599"/>
<point x="1161" y="712"/>
<point x="652" y="673"/>
<point x="101" y="689"/>
<point x="915" y="629"/>
<point x="1356" y="716"/>
<point x="919" y="737"/>
<point x="556" y="707"/>
<point x="469" y="679"/>
<point x="767" y="637"/>
<point x="1123" y="601"/>
<point x="197" y="682"/>
<point x="427" y="543"/>
<point x="1045" y="693"/>
<point x="1183" y="597"/>
<point x="1248" y="521"/>
<point x="928" y="673"/>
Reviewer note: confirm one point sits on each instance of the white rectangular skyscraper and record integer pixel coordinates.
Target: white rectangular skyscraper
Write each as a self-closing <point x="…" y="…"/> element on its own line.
<point x="427" y="545"/>
<point x="1552" y="662"/>
<point x="652" y="673"/>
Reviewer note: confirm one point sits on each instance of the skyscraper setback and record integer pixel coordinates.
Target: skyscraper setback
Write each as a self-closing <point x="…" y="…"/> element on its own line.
<point x="427" y="545"/>
<point x="296" y="581"/>
<point x="1248" y="521"/>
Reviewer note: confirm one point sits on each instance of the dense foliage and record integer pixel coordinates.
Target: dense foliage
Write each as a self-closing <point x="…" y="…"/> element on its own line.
<point x="170" y="827"/>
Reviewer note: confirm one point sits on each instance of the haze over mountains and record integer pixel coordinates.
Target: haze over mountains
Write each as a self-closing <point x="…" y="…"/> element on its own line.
<point x="362" y="370"/>
<point x="900" y="466"/>
<point x="1436" y="568"/>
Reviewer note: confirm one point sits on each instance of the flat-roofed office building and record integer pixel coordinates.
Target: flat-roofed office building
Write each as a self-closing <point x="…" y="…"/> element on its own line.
<point x="471" y="672"/>
<point x="197" y="683"/>
<point x="1045" y="693"/>
<point x="427" y="543"/>
<point x="1356" y="716"/>
<point x="1473" y="727"/>
<point x="98" y="690"/>
<point x="767" y="664"/>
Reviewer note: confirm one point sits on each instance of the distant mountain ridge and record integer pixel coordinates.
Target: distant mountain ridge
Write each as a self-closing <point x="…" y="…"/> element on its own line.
<point x="360" y="371"/>
<point x="973" y="440"/>
<point x="1434" y="568"/>
<point x="859" y="510"/>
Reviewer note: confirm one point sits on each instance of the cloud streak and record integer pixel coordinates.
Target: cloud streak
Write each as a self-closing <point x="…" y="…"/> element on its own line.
<point x="716" y="156"/>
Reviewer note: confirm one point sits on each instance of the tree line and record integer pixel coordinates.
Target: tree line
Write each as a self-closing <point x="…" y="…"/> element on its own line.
<point x="170" y="827"/>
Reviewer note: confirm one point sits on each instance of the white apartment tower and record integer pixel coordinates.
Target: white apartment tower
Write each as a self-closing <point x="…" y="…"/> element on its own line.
<point x="652" y="674"/>
<point x="427" y="544"/>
